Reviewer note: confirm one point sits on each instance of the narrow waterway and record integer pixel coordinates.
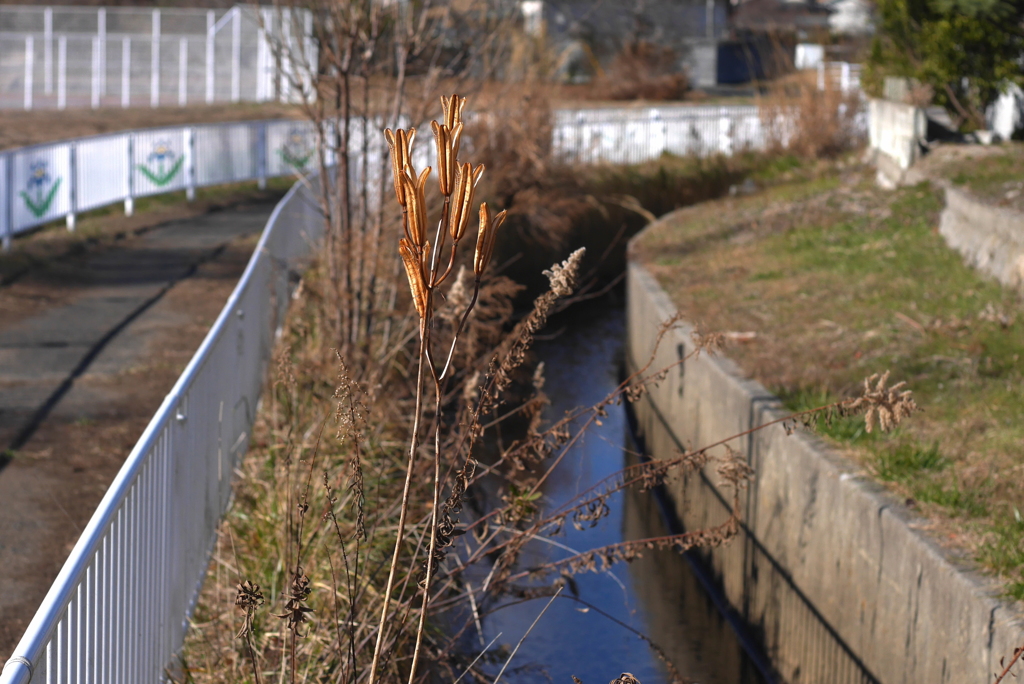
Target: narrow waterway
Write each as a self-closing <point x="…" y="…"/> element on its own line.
<point x="658" y="595"/>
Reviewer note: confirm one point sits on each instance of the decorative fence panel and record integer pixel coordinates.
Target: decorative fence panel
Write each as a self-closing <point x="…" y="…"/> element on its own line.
<point x="46" y="182"/>
<point x="40" y="182"/>
<point x="160" y="161"/>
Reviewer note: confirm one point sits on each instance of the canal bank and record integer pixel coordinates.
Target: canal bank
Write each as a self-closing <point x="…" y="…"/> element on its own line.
<point x="830" y="573"/>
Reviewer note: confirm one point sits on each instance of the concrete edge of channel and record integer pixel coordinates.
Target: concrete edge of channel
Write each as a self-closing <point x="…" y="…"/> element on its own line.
<point x="907" y="609"/>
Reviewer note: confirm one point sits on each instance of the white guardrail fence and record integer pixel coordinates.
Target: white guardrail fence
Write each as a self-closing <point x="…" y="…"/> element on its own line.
<point x="42" y="183"/>
<point x="630" y="136"/>
<point x="118" y="611"/>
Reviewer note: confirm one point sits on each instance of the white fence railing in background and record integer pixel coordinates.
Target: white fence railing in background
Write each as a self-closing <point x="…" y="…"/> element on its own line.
<point x="631" y="136"/>
<point x="842" y="75"/>
<point x="58" y="57"/>
<point x="43" y="183"/>
<point x="118" y="610"/>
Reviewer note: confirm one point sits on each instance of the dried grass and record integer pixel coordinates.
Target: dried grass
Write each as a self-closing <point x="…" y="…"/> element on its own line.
<point x="809" y="122"/>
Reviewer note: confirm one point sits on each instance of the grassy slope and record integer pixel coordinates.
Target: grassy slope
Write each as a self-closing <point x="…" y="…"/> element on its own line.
<point x="840" y="280"/>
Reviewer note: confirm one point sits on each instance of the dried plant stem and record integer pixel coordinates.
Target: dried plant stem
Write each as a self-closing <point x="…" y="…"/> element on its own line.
<point x="1017" y="653"/>
<point x="432" y="548"/>
<point x="478" y="657"/>
<point x="535" y="621"/>
<point x="403" y="513"/>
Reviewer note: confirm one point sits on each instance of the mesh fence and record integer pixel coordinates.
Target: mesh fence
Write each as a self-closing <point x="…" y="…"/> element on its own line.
<point x="57" y="57"/>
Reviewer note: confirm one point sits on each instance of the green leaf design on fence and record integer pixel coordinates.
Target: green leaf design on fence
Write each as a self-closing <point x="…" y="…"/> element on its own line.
<point x="162" y="179"/>
<point x="41" y="205"/>
<point x="296" y="162"/>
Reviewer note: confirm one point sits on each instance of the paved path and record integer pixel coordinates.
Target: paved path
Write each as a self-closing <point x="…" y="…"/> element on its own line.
<point x="89" y="346"/>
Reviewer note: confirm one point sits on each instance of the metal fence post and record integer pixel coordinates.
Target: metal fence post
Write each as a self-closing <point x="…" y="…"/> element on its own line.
<point x="261" y="56"/>
<point x="210" y="22"/>
<point x="7" y="212"/>
<point x="48" y="50"/>
<point x="261" y="155"/>
<point x="126" y="71"/>
<point x="154" y="63"/>
<point x="236" y="54"/>
<point x="72" y="185"/>
<point x="183" y="72"/>
<point x="129" y="201"/>
<point x="101" y="33"/>
<point x="95" y="82"/>
<point x="62" y="72"/>
<point x="190" y="163"/>
<point x="30" y="58"/>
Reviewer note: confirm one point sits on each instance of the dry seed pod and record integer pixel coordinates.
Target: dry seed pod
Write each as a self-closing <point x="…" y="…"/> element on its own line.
<point x="400" y="143"/>
<point x="485" y="238"/>
<point x="466" y="179"/>
<point x="416" y="204"/>
<point x="417" y="284"/>
<point x="452" y="107"/>
<point x="447" y="140"/>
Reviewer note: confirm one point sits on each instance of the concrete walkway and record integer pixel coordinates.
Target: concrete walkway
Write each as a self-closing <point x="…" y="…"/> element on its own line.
<point x="89" y="346"/>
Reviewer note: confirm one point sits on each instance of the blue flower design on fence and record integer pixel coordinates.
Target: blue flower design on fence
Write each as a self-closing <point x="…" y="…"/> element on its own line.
<point x="36" y="195"/>
<point x="296" y="150"/>
<point x="166" y="168"/>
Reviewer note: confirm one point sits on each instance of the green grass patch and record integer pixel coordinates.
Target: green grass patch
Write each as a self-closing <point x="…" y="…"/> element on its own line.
<point x="841" y="280"/>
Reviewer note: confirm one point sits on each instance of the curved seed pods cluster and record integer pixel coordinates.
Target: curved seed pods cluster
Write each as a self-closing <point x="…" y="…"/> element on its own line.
<point x="457" y="183"/>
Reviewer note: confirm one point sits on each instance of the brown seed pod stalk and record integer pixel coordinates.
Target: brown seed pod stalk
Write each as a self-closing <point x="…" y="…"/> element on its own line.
<point x="416" y="204"/>
<point x="466" y="179"/>
<point x="485" y="238"/>
<point x="400" y="143"/>
<point x="413" y="270"/>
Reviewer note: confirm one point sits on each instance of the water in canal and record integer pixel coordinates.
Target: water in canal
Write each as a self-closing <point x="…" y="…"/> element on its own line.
<point x="658" y="594"/>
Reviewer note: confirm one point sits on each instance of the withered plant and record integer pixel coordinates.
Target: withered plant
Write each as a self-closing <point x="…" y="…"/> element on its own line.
<point x="809" y="118"/>
<point x="361" y="539"/>
<point x="368" y="65"/>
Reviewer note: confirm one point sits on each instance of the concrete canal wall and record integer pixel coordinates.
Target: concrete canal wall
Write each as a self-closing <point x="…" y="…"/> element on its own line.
<point x="829" y="574"/>
<point x="990" y="238"/>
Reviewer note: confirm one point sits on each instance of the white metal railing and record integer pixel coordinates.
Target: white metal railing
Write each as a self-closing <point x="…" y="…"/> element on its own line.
<point x="118" y="610"/>
<point x="123" y="56"/>
<point x="630" y="136"/>
<point x="43" y="183"/>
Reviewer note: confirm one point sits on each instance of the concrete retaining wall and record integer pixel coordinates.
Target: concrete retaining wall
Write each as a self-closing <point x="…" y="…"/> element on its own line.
<point x="990" y="238"/>
<point x="829" y="572"/>
<point x="895" y="131"/>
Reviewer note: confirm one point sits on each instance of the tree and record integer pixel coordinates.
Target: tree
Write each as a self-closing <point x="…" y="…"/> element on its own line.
<point x="965" y="51"/>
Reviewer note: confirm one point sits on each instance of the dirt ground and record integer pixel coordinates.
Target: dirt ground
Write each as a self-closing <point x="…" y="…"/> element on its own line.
<point x="20" y="128"/>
